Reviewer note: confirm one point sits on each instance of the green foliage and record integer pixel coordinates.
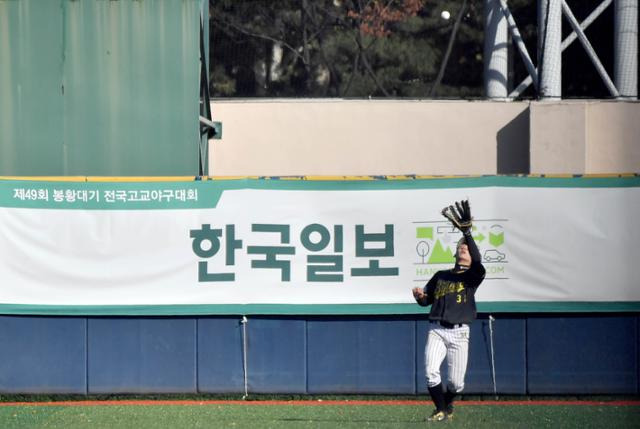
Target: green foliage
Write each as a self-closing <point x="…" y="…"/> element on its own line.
<point x="320" y="48"/>
<point x="376" y="48"/>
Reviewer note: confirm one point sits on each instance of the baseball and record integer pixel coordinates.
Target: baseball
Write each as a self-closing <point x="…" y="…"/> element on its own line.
<point x="445" y="14"/>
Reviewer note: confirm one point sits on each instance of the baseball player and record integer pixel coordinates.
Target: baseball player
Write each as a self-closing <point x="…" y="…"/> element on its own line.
<point x="451" y="294"/>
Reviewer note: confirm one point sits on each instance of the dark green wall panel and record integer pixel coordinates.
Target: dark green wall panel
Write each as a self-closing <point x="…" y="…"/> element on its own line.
<point x="97" y="87"/>
<point x="31" y="109"/>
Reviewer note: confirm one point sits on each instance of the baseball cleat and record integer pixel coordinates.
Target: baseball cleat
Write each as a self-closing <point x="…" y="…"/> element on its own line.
<point x="449" y="412"/>
<point x="437" y="416"/>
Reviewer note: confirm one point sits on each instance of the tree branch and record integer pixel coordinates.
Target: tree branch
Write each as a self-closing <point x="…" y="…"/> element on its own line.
<point x="243" y="30"/>
<point x="445" y="60"/>
<point x="367" y="66"/>
<point x="356" y="65"/>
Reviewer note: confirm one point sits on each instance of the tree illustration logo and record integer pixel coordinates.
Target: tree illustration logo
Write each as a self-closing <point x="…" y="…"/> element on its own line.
<point x="436" y="243"/>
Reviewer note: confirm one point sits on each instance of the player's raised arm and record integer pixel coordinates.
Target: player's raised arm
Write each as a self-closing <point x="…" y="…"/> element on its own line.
<point x="473" y="248"/>
<point x="467" y="252"/>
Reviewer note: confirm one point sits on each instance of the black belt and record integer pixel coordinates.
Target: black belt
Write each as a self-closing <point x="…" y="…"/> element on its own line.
<point x="447" y="324"/>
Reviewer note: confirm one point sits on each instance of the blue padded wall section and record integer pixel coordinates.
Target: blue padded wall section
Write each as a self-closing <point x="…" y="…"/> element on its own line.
<point x="361" y="355"/>
<point x="583" y="354"/>
<point x="534" y="354"/>
<point x="141" y="355"/>
<point x="276" y="358"/>
<point x="42" y="355"/>
<point x="422" y="331"/>
<point x="509" y="352"/>
<point x="220" y="357"/>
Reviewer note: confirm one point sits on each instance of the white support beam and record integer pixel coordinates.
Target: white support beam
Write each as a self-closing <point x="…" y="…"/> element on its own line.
<point x="496" y="64"/>
<point x="550" y="48"/>
<point x="626" y="48"/>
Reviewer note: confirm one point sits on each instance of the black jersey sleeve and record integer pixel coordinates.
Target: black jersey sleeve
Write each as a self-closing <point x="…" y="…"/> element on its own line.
<point x="475" y="274"/>
<point x="476" y="271"/>
<point x="473" y="247"/>
<point x="430" y="288"/>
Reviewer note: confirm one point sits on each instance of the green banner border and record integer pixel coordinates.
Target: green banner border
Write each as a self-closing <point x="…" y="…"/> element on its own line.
<point x="308" y="309"/>
<point x="210" y="190"/>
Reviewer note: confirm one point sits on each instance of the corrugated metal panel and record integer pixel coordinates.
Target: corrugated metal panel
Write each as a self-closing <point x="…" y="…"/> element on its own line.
<point x="31" y="112"/>
<point x="99" y="87"/>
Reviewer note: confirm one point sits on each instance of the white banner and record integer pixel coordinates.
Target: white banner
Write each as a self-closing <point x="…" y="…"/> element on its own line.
<point x="272" y="246"/>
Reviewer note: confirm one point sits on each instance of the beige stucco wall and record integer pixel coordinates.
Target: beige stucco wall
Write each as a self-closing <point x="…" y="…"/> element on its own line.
<point x="557" y="137"/>
<point x="377" y="137"/>
<point x="345" y="137"/>
<point x="585" y="137"/>
<point x="613" y="137"/>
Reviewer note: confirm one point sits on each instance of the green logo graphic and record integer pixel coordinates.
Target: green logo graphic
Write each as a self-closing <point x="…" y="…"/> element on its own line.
<point x="496" y="236"/>
<point x="424" y="232"/>
<point x="436" y="245"/>
<point x="440" y="255"/>
<point x="496" y="239"/>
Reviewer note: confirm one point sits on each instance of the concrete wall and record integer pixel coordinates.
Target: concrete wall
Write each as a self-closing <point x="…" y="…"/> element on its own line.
<point x="341" y="137"/>
<point x="613" y="137"/>
<point x="377" y="137"/>
<point x="558" y="137"/>
<point x="585" y="137"/>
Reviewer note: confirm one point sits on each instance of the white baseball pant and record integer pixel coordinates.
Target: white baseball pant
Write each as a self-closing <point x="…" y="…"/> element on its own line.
<point x="452" y="343"/>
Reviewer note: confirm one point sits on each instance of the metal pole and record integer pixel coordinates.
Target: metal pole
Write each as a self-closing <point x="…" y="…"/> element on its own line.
<point x="589" y="49"/>
<point x="522" y="49"/>
<point x="549" y="48"/>
<point x="496" y="64"/>
<point x="205" y="104"/>
<point x="565" y="43"/>
<point x="245" y="365"/>
<point x="493" y="361"/>
<point x="626" y="48"/>
<point x="452" y="39"/>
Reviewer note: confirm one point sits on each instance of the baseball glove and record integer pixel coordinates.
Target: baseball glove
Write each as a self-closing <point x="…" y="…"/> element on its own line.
<point x="460" y="215"/>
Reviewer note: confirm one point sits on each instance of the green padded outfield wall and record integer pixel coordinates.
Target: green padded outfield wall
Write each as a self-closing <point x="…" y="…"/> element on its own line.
<point x="99" y="87"/>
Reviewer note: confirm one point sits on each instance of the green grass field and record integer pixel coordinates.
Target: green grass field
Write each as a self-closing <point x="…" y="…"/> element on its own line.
<point x="255" y="415"/>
